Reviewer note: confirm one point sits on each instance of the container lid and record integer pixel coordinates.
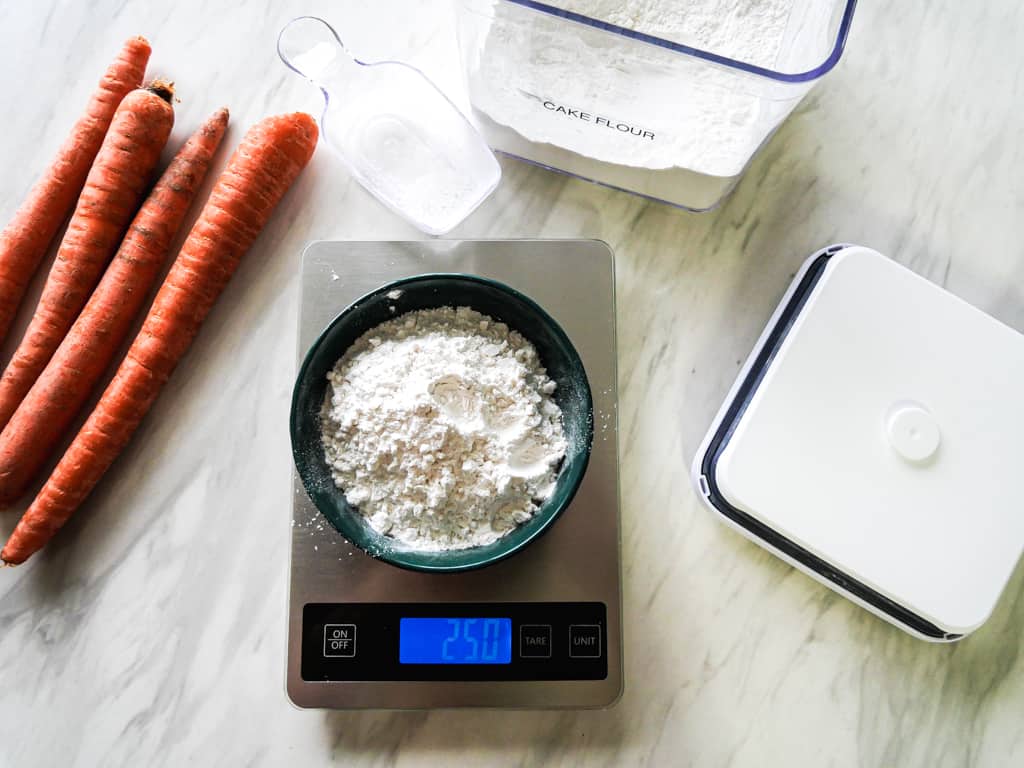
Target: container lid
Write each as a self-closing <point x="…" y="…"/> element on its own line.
<point x="884" y="438"/>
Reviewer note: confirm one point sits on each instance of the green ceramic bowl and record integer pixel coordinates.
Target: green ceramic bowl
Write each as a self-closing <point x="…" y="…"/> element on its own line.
<point x="423" y="292"/>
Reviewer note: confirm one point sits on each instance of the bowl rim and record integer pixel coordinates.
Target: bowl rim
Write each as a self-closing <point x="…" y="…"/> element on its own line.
<point x="394" y="557"/>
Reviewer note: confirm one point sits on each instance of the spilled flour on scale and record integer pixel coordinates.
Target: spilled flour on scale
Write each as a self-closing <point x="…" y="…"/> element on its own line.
<point x="440" y="427"/>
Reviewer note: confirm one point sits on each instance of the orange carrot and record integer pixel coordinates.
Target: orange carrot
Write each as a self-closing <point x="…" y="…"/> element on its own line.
<point x="117" y="181"/>
<point x="76" y="366"/>
<point x="24" y="240"/>
<point x="262" y="169"/>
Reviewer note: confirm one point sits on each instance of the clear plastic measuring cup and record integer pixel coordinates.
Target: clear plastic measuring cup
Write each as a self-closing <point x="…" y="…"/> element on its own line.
<point x="400" y="136"/>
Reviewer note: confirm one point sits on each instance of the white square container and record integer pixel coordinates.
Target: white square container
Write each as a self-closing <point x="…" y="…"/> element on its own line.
<point x="873" y="440"/>
<point x="650" y="116"/>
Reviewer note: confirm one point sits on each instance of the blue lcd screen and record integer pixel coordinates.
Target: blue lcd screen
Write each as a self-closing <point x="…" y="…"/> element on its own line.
<point x="455" y="641"/>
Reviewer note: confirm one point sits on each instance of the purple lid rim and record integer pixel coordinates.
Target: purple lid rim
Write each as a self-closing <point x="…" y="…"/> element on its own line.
<point x="798" y="77"/>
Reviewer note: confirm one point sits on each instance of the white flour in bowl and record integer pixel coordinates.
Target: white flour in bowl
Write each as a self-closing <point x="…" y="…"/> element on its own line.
<point x="440" y="428"/>
<point x="613" y="99"/>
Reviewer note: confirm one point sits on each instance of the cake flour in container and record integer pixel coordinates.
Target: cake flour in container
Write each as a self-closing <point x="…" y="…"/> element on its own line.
<point x="440" y="428"/>
<point x="604" y="97"/>
<point x="745" y="30"/>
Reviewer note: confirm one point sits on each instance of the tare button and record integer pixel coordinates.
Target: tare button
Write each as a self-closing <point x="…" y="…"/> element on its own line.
<point x="535" y="641"/>
<point x="340" y="640"/>
<point x="585" y="641"/>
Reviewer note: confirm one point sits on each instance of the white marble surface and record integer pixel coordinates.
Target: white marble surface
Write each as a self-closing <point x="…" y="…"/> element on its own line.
<point x="152" y="631"/>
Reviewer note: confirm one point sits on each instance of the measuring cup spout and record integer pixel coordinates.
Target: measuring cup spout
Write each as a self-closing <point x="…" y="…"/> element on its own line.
<point x="310" y="46"/>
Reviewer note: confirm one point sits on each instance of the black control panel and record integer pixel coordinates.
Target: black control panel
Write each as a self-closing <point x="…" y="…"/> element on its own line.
<point x="454" y="641"/>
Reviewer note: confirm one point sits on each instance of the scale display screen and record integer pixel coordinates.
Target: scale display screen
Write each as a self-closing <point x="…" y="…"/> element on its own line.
<point x="376" y="642"/>
<point x="455" y="641"/>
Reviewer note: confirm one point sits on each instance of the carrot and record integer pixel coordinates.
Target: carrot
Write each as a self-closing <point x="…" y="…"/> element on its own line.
<point x="68" y="379"/>
<point x="117" y="181"/>
<point x="24" y="241"/>
<point x="262" y="169"/>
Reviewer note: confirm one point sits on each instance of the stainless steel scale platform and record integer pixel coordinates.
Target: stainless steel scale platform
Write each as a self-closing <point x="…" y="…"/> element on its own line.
<point x="562" y="593"/>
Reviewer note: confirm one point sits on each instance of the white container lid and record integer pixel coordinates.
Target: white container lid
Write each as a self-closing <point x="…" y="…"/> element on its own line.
<point x="885" y="439"/>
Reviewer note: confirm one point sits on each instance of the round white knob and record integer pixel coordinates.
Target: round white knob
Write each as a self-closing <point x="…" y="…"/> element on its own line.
<point x="913" y="432"/>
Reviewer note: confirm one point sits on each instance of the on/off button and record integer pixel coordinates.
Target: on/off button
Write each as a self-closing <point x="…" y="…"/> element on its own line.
<point x="340" y="640"/>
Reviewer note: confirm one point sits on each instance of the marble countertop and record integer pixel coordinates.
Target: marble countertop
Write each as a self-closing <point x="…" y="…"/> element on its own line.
<point x="152" y="631"/>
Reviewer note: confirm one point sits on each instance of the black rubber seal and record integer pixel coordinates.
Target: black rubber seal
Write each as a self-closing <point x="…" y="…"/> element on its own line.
<point x="776" y="540"/>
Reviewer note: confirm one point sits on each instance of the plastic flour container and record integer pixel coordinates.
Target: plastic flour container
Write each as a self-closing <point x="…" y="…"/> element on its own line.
<point x="636" y="112"/>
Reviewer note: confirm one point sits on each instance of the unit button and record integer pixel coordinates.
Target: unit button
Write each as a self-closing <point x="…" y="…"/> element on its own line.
<point x="585" y="641"/>
<point x="340" y="640"/>
<point x="535" y="641"/>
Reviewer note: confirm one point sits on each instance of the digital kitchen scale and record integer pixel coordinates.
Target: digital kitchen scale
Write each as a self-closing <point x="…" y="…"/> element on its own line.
<point x="873" y="440"/>
<point x="541" y="629"/>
